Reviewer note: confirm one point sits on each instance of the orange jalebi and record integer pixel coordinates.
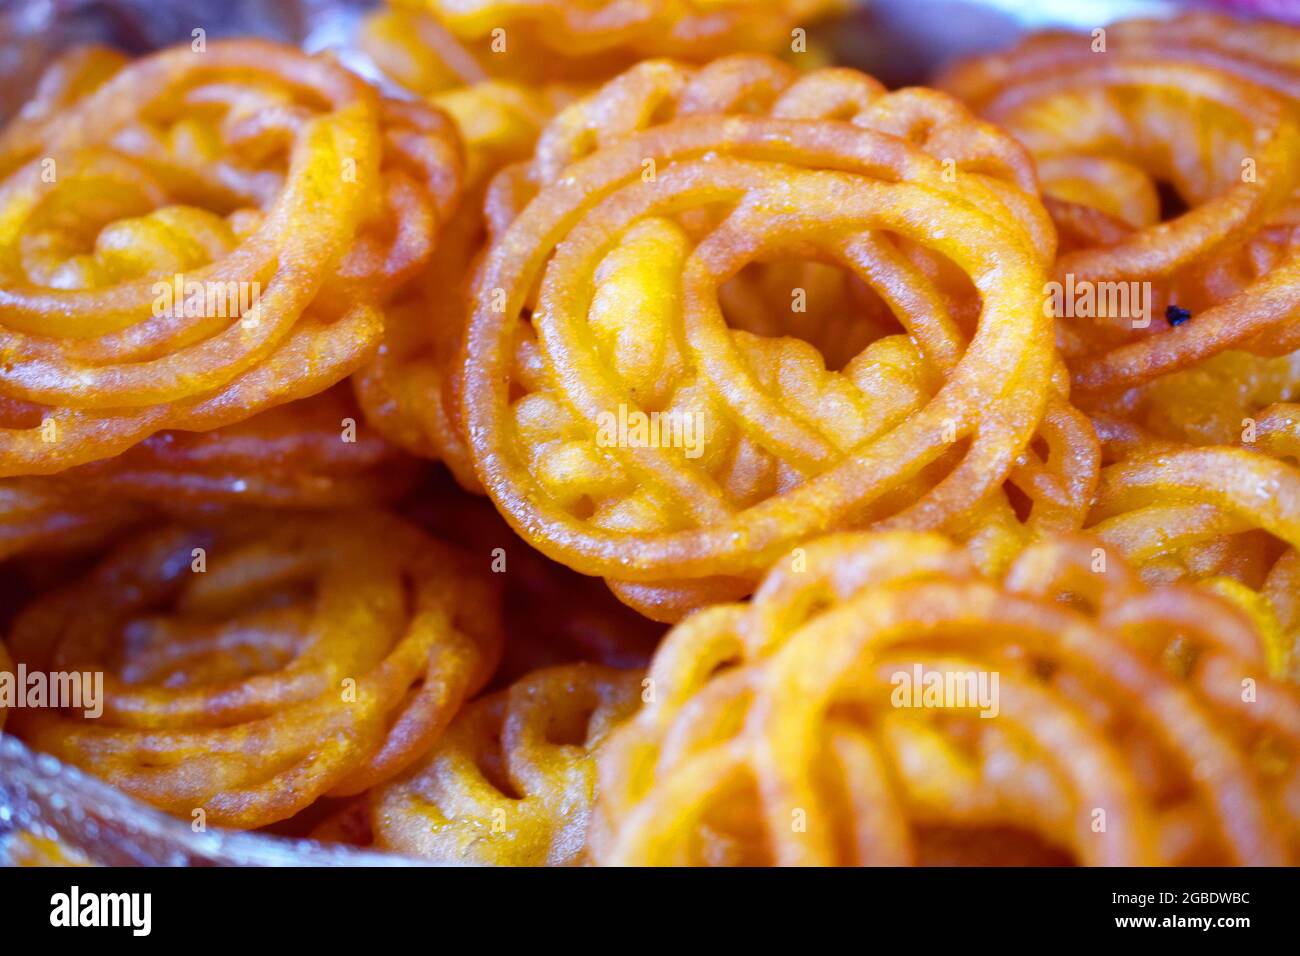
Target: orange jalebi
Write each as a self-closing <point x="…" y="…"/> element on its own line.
<point x="824" y="723"/>
<point x="601" y="300"/>
<point x="988" y="395"/>
<point x="1202" y="105"/>
<point x="251" y="670"/>
<point x="204" y="234"/>
<point x="1225" y="516"/>
<point x="38" y="516"/>
<point x="576" y="39"/>
<point x="1200" y="440"/>
<point x="512" y="780"/>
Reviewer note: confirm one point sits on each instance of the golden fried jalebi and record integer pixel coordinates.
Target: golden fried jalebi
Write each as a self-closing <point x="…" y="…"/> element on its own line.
<point x="203" y="235"/>
<point x="511" y="782"/>
<point x="1202" y="106"/>
<point x="824" y="723"/>
<point x="410" y="391"/>
<point x="568" y="40"/>
<point x="599" y="306"/>
<point x="253" y="669"/>
<point x="936" y="450"/>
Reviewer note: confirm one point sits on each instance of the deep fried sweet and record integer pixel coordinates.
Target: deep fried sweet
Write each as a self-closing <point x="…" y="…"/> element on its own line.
<point x="1202" y="107"/>
<point x="881" y="702"/>
<point x="587" y="39"/>
<point x="254" y="667"/>
<point x="632" y="425"/>
<point x="512" y="780"/>
<point x="313" y="453"/>
<point x="200" y="236"/>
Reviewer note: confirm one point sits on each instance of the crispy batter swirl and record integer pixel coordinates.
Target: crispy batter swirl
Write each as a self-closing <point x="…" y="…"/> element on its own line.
<point x="1202" y="105"/>
<point x="199" y="236"/>
<point x="622" y="288"/>
<point x="252" y="668"/>
<point x="1119" y="730"/>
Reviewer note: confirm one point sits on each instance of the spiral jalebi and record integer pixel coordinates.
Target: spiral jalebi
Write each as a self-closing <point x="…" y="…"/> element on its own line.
<point x="1201" y="107"/>
<point x="251" y="669"/>
<point x="1131" y="725"/>
<point x="202" y="235"/>
<point x="313" y="453"/>
<point x="1226" y="516"/>
<point x="601" y="298"/>
<point x="812" y="493"/>
<point x="512" y="780"/>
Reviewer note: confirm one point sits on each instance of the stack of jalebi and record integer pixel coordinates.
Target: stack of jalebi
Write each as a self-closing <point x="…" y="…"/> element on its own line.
<point x="1167" y="152"/>
<point x="1125" y="724"/>
<point x="955" y="431"/>
<point x="252" y="669"/>
<point x="603" y="308"/>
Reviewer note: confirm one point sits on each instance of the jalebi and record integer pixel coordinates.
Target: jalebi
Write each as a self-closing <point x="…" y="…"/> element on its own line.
<point x="1167" y="151"/>
<point x="601" y="310"/>
<point x="411" y="390"/>
<point x="251" y="670"/>
<point x="841" y="718"/>
<point x="204" y="234"/>
<point x="582" y="40"/>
